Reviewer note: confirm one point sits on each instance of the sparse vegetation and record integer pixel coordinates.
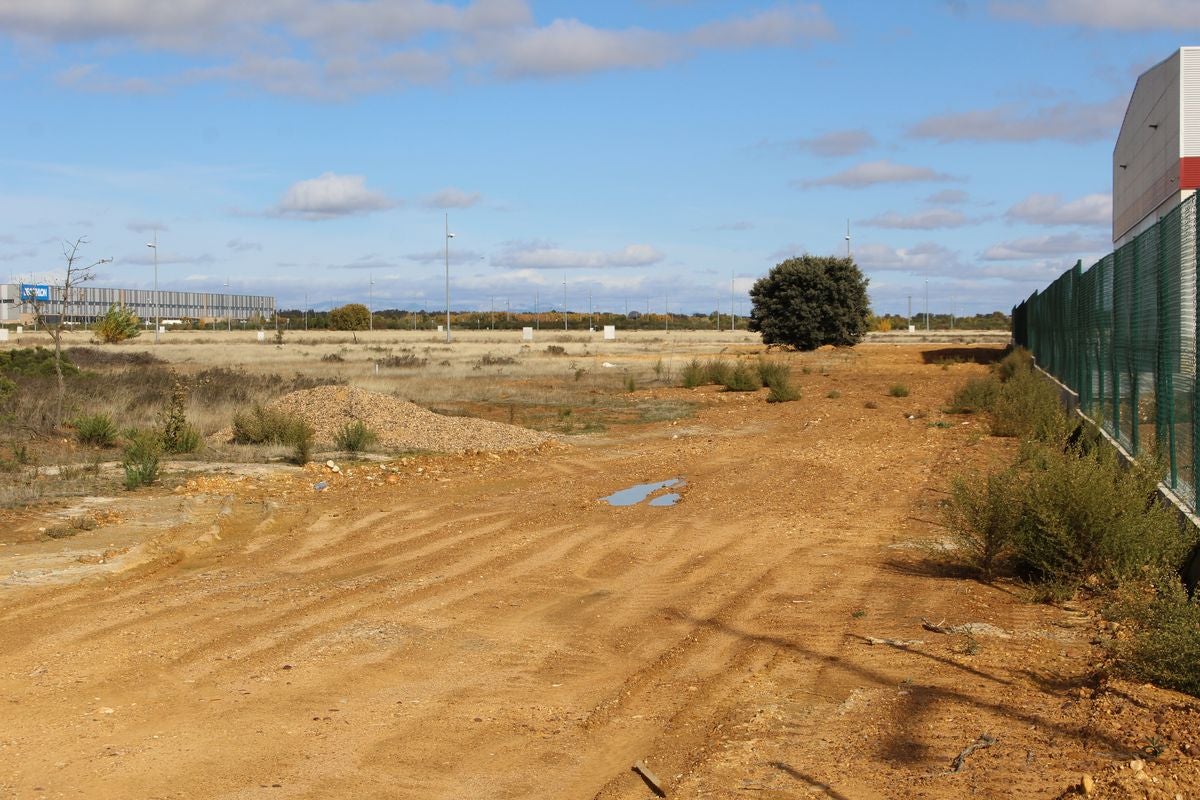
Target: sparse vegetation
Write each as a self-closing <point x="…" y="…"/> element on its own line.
<point x="898" y="390"/>
<point x="405" y="361"/>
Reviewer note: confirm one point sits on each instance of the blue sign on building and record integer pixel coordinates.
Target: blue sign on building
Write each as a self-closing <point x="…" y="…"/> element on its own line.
<point x="35" y="292"/>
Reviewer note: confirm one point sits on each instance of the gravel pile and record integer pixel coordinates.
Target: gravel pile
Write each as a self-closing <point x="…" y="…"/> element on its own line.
<point x="399" y="424"/>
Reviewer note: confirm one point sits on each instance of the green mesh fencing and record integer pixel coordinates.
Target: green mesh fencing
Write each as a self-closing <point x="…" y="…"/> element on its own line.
<point x="1122" y="334"/>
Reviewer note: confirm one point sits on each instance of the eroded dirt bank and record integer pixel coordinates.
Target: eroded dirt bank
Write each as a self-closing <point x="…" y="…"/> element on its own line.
<point x="484" y="626"/>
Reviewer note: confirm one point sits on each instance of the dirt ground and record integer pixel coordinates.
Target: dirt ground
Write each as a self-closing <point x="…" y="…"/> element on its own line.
<point x="486" y="626"/>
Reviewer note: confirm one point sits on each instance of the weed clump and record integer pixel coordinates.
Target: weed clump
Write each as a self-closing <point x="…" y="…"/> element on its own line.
<point x="179" y="435"/>
<point x="717" y="370"/>
<point x="141" y="459"/>
<point x="898" y="390"/>
<point x="976" y="395"/>
<point x="97" y="430"/>
<point x="1015" y="363"/>
<point x="1028" y="407"/>
<point x="1164" y="647"/>
<point x="985" y="516"/>
<point x="268" y="426"/>
<point x="405" y="361"/>
<point x="741" y="379"/>
<point x="354" y="437"/>
<point x="693" y="374"/>
<point x="771" y="371"/>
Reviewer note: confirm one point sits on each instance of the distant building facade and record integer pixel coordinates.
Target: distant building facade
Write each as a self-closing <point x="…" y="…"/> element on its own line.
<point x="86" y="303"/>
<point x="1156" y="160"/>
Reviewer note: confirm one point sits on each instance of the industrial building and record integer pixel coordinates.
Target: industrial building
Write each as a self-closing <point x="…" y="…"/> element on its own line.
<point x="1156" y="160"/>
<point x="86" y="303"/>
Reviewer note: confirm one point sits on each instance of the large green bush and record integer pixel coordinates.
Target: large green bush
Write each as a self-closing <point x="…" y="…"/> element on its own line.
<point x="350" y="317"/>
<point x="811" y="301"/>
<point x="117" y="325"/>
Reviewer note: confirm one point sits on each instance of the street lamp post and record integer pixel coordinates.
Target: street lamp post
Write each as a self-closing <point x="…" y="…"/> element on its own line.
<point x="228" y="308"/>
<point x="449" y="236"/>
<point x="370" y="302"/>
<point x="157" y="307"/>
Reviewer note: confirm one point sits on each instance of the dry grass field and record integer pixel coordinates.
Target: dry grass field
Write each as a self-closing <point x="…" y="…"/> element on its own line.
<point x="422" y="625"/>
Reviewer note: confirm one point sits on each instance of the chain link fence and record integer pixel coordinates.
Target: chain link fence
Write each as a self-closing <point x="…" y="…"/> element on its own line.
<point x="1122" y="335"/>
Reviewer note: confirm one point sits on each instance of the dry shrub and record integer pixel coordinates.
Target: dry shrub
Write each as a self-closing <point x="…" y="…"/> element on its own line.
<point x="96" y="430"/>
<point x="1164" y="645"/>
<point x="693" y="374"/>
<point x="1028" y="407"/>
<point x="1062" y="518"/>
<point x="977" y="394"/>
<point x="742" y="378"/>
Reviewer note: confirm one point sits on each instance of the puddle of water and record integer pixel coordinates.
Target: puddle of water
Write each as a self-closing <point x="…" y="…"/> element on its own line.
<point x="669" y="499"/>
<point x="636" y="494"/>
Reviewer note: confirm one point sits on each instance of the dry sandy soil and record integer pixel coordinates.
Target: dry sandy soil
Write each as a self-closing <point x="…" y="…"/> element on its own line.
<point x="485" y="626"/>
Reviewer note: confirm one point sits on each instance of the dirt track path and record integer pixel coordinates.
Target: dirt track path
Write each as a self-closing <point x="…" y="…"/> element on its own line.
<point x="497" y="632"/>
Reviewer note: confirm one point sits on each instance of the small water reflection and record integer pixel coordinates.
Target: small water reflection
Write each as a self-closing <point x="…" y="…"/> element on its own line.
<point x="636" y="494"/>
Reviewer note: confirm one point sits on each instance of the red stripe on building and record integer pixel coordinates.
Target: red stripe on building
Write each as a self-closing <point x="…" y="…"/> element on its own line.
<point x="1189" y="172"/>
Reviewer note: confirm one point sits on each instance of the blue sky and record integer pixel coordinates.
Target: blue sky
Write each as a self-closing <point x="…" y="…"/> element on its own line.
<point x="644" y="151"/>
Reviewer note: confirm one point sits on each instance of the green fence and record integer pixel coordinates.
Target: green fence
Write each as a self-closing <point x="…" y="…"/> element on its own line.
<point x="1122" y="334"/>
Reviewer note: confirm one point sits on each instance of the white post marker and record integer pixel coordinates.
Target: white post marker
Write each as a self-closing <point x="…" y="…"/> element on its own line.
<point x="610" y="332"/>
<point x="526" y="334"/>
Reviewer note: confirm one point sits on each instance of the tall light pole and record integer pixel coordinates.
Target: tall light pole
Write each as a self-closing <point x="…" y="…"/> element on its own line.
<point x="564" y="301"/>
<point x="228" y="308"/>
<point x="927" y="305"/>
<point x="157" y="307"/>
<point x="847" y="238"/>
<point x="370" y="302"/>
<point x="449" y="236"/>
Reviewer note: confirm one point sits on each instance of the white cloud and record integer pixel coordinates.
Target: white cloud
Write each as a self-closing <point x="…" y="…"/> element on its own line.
<point x="145" y="226"/>
<point x="1062" y="244"/>
<point x="243" y="246"/>
<point x="836" y="143"/>
<point x="876" y="172"/>
<point x="1124" y="15"/>
<point x="372" y="261"/>
<point x="568" y="46"/>
<point x="451" y="197"/>
<point x="458" y="256"/>
<point x="1069" y="122"/>
<point x="331" y="195"/>
<point x="331" y="49"/>
<point x="1049" y="209"/>
<point x="790" y="250"/>
<point x="781" y="26"/>
<point x="929" y="219"/>
<point x="538" y="255"/>
<point x="925" y="257"/>
<point x="948" y="197"/>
